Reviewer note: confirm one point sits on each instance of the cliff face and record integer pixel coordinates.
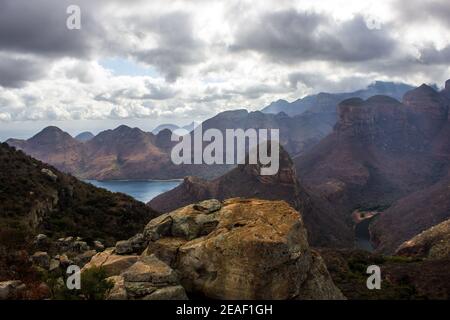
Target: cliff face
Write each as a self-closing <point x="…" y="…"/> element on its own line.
<point x="379" y="150"/>
<point x="382" y="150"/>
<point x="428" y="109"/>
<point x="238" y="249"/>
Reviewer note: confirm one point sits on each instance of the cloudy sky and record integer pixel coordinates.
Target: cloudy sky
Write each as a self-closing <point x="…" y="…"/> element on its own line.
<point x="148" y="62"/>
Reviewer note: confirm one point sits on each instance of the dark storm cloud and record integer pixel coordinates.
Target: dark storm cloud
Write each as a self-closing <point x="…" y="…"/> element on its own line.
<point x="291" y="36"/>
<point x="431" y="55"/>
<point x="40" y="28"/>
<point x="177" y="45"/>
<point x="15" y="72"/>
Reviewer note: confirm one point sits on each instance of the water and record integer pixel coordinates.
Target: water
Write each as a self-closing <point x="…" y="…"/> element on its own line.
<point x="144" y="190"/>
<point x="362" y="235"/>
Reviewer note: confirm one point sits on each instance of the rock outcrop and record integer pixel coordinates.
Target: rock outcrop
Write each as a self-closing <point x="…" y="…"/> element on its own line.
<point x="147" y="279"/>
<point x="238" y="249"/>
<point x="433" y="243"/>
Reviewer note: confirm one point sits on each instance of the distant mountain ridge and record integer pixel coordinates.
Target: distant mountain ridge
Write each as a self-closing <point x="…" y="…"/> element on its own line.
<point x="325" y="102"/>
<point x="112" y="154"/>
<point x="130" y="153"/>
<point x="173" y="127"/>
<point x="84" y="136"/>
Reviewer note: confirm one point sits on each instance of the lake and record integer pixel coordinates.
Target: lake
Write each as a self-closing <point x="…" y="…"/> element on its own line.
<point x="142" y="190"/>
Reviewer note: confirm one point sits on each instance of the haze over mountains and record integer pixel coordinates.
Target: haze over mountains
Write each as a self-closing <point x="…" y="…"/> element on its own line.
<point x="327" y="102"/>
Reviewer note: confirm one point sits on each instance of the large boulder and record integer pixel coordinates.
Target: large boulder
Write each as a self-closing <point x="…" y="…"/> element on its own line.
<point x="243" y="249"/>
<point x="135" y="244"/>
<point x="112" y="264"/>
<point x="42" y="259"/>
<point x="147" y="279"/>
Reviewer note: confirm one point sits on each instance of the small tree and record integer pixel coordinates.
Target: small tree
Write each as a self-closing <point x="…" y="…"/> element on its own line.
<point x="94" y="285"/>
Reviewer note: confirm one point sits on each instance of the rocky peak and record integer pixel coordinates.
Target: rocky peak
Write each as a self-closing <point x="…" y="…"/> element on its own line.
<point x="429" y="109"/>
<point x="243" y="181"/>
<point x="163" y="140"/>
<point x="122" y="134"/>
<point x="52" y="135"/>
<point x="426" y="101"/>
<point x="365" y="119"/>
<point x="84" y="136"/>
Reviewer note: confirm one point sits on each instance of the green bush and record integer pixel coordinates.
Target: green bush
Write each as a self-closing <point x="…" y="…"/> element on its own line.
<point x="94" y="285"/>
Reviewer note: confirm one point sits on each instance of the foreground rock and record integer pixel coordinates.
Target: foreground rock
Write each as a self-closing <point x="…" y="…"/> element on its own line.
<point x="236" y="249"/>
<point x="112" y="264"/>
<point x="138" y="278"/>
<point x="433" y="243"/>
<point x="243" y="249"/>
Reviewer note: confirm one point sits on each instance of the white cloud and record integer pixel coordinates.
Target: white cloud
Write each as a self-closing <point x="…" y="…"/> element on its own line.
<point x="189" y="44"/>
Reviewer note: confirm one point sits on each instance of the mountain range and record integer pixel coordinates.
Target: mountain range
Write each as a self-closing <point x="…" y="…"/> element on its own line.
<point x="374" y="156"/>
<point x="130" y="153"/>
<point x="382" y="154"/>
<point x="326" y="102"/>
<point x="369" y="154"/>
